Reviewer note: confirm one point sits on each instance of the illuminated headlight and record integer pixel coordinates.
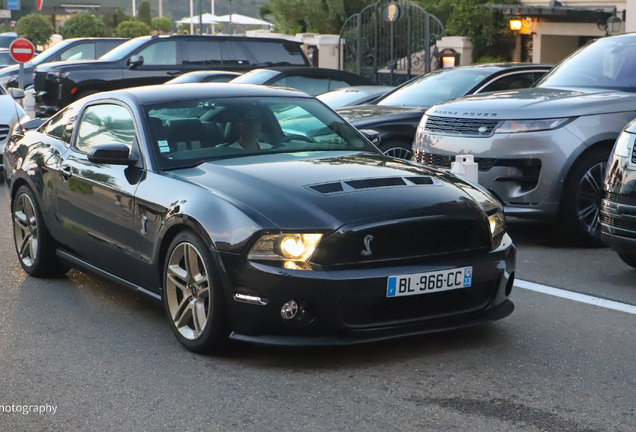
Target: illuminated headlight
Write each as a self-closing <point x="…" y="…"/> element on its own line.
<point x="285" y="247"/>
<point x="514" y="126"/>
<point x="624" y="144"/>
<point x="497" y="224"/>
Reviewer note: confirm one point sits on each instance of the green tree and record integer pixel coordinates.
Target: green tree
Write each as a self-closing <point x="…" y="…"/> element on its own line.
<point x="132" y="29"/>
<point x="161" y="24"/>
<point x="83" y="25"/>
<point x="35" y="28"/>
<point x="321" y="16"/>
<point x="144" y="13"/>
<point x="113" y="20"/>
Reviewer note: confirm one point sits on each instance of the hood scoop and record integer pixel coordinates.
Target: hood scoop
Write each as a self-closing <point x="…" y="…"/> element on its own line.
<point x="373" y="183"/>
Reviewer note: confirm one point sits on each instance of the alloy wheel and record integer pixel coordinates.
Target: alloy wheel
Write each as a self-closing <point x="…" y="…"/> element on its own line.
<point x="588" y="197"/>
<point x="188" y="290"/>
<point x="398" y="152"/>
<point x="25" y="230"/>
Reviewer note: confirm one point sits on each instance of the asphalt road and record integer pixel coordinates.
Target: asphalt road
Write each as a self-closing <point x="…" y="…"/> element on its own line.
<point x="107" y="360"/>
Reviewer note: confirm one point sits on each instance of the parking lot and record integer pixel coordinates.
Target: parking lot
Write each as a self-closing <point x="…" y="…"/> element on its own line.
<point x="106" y="359"/>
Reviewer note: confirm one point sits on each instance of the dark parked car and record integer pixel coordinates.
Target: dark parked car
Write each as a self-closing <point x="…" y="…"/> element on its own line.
<point x="396" y="115"/>
<point x="69" y="49"/>
<point x="199" y="194"/>
<point x="352" y="96"/>
<point x="204" y="76"/>
<point x="617" y="217"/>
<point x="155" y="60"/>
<point x="312" y="81"/>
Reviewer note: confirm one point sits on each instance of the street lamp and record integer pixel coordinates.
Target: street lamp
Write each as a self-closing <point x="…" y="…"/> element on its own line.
<point x="612" y="26"/>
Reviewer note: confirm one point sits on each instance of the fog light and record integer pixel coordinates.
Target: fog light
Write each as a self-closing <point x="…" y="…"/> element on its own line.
<point x="289" y="310"/>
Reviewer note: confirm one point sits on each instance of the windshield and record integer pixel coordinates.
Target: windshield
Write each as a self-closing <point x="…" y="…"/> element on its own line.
<point x="259" y="76"/>
<point x="435" y="87"/>
<point x="608" y="63"/>
<point x="47" y="54"/>
<point x="187" y="133"/>
<point x="125" y="49"/>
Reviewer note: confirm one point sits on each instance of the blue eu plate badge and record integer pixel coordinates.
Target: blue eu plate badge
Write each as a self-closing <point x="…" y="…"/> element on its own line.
<point x="430" y="282"/>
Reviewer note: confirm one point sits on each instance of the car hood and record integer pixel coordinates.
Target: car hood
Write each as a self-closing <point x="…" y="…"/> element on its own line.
<point x="296" y="190"/>
<point x="535" y="103"/>
<point x="58" y="65"/>
<point x="369" y="114"/>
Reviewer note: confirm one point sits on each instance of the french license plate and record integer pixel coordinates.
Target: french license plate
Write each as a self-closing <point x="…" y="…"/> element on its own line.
<point x="430" y="282"/>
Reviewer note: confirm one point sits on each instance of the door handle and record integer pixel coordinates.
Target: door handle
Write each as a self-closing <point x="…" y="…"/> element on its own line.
<point x="66" y="172"/>
<point x="173" y="73"/>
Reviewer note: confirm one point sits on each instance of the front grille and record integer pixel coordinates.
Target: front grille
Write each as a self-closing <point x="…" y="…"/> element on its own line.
<point x="460" y="126"/>
<point x="405" y="240"/>
<point x="617" y="223"/>
<point x="370" y="312"/>
<point x="439" y="161"/>
<point x="4" y="132"/>
<point x="619" y="198"/>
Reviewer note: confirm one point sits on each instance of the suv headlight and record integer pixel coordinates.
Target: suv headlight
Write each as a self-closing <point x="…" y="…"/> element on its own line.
<point x="497" y="224"/>
<point x="624" y="144"/>
<point x="284" y="247"/>
<point x="514" y="126"/>
<point x="61" y="74"/>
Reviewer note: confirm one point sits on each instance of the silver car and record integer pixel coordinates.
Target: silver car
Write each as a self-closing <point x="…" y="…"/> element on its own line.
<point x="543" y="150"/>
<point x="10" y="111"/>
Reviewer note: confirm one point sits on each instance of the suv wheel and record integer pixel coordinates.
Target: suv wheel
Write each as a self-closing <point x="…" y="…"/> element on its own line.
<point x="581" y="200"/>
<point x="397" y="149"/>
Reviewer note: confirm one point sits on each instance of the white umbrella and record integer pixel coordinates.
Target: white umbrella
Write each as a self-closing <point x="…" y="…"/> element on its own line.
<point x="241" y="19"/>
<point x="206" y="18"/>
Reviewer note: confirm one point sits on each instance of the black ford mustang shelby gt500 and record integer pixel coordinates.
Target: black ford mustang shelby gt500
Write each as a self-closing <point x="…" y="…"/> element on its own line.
<point x="257" y="214"/>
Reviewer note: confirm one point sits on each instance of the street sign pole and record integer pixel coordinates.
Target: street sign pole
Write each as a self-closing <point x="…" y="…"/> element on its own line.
<point x="21" y="76"/>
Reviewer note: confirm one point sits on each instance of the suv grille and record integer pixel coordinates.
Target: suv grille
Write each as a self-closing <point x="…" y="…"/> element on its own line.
<point x="617" y="223"/>
<point x="460" y="126"/>
<point x="405" y="240"/>
<point x="434" y="160"/>
<point x="4" y="132"/>
<point x="619" y="198"/>
<point x="369" y="312"/>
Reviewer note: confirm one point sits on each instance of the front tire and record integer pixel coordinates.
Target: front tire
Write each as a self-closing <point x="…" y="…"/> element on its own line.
<point x="33" y="243"/>
<point x="193" y="296"/>
<point x="581" y="200"/>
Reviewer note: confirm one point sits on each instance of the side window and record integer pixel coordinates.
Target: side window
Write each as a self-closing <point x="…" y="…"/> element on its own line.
<point x="336" y="84"/>
<point x="61" y="125"/>
<point x="539" y="75"/>
<point x="160" y="54"/>
<point x="203" y="53"/>
<point x="84" y="51"/>
<point x="233" y="54"/>
<point x="105" y="124"/>
<point x="511" y="82"/>
<point x="275" y="53"/>
<point x="311" y="86"/>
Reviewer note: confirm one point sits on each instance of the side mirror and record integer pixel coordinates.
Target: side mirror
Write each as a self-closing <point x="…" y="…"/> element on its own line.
<point x="135" y="61"/>
<point x="113" y="154"/>
<point x="371" y="135"/>
<point x="16" y="93"/>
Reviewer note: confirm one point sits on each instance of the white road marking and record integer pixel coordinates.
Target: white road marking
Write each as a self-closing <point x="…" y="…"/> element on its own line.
<point x="583" y="298"/>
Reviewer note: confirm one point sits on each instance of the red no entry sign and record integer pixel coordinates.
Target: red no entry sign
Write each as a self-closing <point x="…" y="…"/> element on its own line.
<point x="21" y="50"/>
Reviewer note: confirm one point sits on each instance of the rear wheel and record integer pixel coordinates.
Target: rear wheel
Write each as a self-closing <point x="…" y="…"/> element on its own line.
<point x="397" y="149"/>
<point x="33" y="243"/>
<point x="192" y="295"/>
<point x="581" y="200"/>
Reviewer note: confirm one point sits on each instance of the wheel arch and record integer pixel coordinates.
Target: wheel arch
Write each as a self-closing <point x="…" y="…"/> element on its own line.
<point x="604" y="144"/>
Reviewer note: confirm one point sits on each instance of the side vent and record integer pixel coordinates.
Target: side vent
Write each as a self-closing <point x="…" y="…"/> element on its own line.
<point x="327" y="188"/>
<point x="351" y="185"/>
<point x="420" y="180"/>
<point x="376" y="183"/>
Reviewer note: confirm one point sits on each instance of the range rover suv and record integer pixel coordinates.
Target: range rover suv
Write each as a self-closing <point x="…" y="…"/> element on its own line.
<point x="543" y="150"/>
<point x="150" y="60"/>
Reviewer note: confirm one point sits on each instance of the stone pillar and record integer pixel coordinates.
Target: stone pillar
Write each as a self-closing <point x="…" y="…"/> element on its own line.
<point x="461" y="44"/>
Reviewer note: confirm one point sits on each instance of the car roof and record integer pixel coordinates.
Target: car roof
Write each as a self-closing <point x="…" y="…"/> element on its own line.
<point x="229" y="38"/>
<point x="508" y="65"/>
<point x="161" y="93"/>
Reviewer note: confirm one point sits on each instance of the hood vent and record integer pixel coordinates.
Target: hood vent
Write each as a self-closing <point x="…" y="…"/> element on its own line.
<point x="351" y="185"/>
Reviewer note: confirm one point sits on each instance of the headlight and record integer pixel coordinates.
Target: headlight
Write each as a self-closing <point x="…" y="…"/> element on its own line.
<point x="497" y="224"/>
<point x="292" y="247"/>
<point x="61" y="74"/>
<point x="16" y="126"/>
<point x="513" y="126"/>
<point x="624" y="144"/>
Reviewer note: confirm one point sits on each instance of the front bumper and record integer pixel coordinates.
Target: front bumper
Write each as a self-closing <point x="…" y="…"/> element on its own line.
<point x="351" y="306"/>
<point x="524" y="170"/>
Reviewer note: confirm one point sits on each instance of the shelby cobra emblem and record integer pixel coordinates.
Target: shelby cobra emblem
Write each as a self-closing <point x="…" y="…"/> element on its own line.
<point x="367" y="246"/>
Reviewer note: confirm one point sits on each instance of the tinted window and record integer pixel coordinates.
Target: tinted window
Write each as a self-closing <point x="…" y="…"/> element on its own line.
<point x="276" y="54"/>
<point x="259" y="76"/>
<point x="311" y="86"/>
<point x="511" y="82"/>
<point x="60" y="126"/>
<point x="125" y="49"/>
<point x="607" y="63"/>
<point x="233" y="54"/>
<point x="160" y="53"/>
<point x="336" y="84"/>
<point x="203" y="53"/>
<point x="105" y="124"/>
<point x="110" y="44"/>
<point x="79" y="52"/>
